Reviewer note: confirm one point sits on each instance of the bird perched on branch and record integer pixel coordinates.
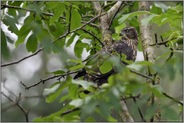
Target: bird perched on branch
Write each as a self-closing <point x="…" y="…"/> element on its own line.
<point x="127" y="45"/>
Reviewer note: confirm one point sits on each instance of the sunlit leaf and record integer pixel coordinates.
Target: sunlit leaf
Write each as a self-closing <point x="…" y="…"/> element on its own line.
<point x="106" y="67"/>
<point x="83" y="83"/>
<point x="76" y="102"/>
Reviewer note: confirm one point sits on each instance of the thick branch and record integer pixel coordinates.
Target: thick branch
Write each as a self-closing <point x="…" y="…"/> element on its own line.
<point x="104" y="22"/>
<point x="125" y="115"/>
<point x="149" y="52"/>
<point x="112" y="12"/>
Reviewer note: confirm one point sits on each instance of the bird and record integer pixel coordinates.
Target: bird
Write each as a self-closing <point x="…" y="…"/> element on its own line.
<point x="127" y="45"/>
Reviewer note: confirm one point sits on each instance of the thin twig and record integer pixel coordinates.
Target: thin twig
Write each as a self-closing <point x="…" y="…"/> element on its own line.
<point x="175" y="100"/>
<point x="162" y="43"/>
<point x="140" y="112"/>
<point x="46" y="79"/>
<point x="18" y="105"/>
<point x="16" y="62"/>
<point x="62" y="36"/>
<point x="70" y="16"/>
<point x="93" y="36"/>
<point x="68" y="112"/>
<point x="28" y="10"/>
<point x="140" y="74"/>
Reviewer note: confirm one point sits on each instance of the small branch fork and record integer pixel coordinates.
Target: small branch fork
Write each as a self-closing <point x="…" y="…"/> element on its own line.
<point x="49" y="78"/>
<point x="165" y="44"/>
<point x="17" y="103"/>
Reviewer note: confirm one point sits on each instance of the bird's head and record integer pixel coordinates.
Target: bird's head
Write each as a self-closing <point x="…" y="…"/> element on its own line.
<point x="129" y="33"/>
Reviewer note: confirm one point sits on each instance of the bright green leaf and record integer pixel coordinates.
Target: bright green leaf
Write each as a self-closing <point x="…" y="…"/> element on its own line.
<point x="105" y="67"/>
<point x="77" y="67"/>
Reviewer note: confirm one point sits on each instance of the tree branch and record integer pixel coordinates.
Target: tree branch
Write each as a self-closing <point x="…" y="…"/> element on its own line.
<point x="18" y="105"/>
<point x="62" y="36"/>
<point x="16" y="62"/>
<point x="125" y="115"/>
<point x="93" y="36"/>
<point x="46" y="79"/>
<point x="173" y="99"/>
<point x="148" y="51"/>
<point x="104" y="22"/>
<point x="113" y="11"/>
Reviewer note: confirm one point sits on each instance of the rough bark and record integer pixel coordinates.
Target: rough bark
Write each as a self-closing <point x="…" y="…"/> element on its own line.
<point x="149" y="52"/>
<point x="105" y="22"/>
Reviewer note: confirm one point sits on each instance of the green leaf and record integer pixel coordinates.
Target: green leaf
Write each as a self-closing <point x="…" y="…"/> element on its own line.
<point x="70" y="41"/>
<point x="5" y="50"/>
<point x="76" y="102"/>
<point x="130" y="15"/>
<point x="73" y="91"/>
<point x="54" y="91"/>
<point x="75" y="60"/>
<point x="147" y="19"/>
<point x="76" y="67"/>
<point x="51" y="5"/>
<point x="11" y="23"/>
<point x="155" y="9"/>
<point x="24" y="30"/>
<point x="56" y="72"/>
<point x="63" y="98"/>
<point x="58" y="12"/>
<point x="105" y="67"/>
<point x="83" y="83"/>
<point x="32" y="43"/>
<point x="157" y="90"/>
<point x="170" y="114"/>
<point x="52" y="27"/>
<point x="77" y="49"/>
<point x="75" y="19"/>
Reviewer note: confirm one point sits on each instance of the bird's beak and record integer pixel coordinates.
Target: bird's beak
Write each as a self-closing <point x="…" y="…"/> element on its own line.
<point x="122" y="34"/>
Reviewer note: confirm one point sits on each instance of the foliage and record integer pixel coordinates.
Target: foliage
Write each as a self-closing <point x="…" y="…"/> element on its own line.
<point x="57" y="25"/>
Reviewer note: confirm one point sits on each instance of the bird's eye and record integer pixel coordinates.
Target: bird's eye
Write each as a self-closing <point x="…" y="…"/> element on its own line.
<point x="126" y="30"/>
